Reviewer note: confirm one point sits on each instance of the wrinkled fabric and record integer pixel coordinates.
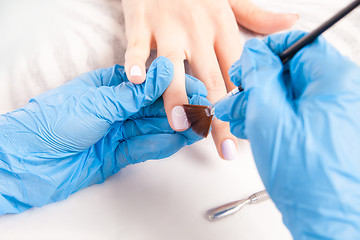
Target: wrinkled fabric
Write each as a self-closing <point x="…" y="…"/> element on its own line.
<point x="302" y="120"/>
<point x="81" y="133"/>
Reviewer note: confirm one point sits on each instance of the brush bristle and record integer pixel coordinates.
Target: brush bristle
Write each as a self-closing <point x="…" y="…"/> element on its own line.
<point x="199" y="121"/>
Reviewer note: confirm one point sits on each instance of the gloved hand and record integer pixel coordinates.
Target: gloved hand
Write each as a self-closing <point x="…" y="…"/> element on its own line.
<point x="84" y="131"/>
<point x="303" y="123"/>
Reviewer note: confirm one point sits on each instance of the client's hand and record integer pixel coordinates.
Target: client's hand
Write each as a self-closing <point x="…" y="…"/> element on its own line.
<point x="204" y="32"/>
<point x="84" y="131"/>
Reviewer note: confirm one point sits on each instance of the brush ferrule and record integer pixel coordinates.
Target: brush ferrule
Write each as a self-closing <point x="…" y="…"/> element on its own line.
<point x="212" y="111"/>
<point x="209" y="111"/>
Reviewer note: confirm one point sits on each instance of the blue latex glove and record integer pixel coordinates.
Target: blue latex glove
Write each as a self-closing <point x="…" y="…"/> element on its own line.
<point x="85" y="131"/>
<point x="303" y="123"/>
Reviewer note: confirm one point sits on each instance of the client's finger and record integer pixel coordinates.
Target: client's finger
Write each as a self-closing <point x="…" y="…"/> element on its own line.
<point x="138" y="46"/>
<point x="261" y="21"/>
<point x="175" y="95"/>
<point x="137" y="52"/>
<point x="228" y="49"/>
<point x="205" y="67"/>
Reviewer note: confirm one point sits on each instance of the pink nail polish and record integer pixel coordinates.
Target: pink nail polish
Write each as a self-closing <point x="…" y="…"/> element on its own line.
<point x="179" y="118"/>
<point x="228" y="149"/>
<point x="135" y="71"/>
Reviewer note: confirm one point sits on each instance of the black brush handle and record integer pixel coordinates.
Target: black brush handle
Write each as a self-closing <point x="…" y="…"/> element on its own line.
<point x="307" y="39"/>
<point x="287" y="54"/>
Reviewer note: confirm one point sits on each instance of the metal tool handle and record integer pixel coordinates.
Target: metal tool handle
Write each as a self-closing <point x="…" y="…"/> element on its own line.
<point x="226" y="210"/>
<point x="233" y="207"/>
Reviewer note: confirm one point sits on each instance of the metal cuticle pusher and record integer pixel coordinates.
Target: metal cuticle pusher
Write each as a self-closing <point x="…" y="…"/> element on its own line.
<point x="233" y="207"/>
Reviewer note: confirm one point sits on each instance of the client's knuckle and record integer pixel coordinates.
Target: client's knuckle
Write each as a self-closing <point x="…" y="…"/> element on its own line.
<point x="175" y="56"/>
<point x="213" y="81"/>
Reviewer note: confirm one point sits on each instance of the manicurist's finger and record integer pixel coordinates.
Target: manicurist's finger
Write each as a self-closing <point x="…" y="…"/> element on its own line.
<point x="206" y="68"/>
<point x="158" y="146"/>
<point x="261" y="21"/>
<point x="118" y="103"/>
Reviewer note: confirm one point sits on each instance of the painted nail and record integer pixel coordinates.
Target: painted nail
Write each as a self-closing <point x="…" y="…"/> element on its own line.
<point x="179" y="118"/>
<point x="135" y="71"/>
<point x="228" y="149"/>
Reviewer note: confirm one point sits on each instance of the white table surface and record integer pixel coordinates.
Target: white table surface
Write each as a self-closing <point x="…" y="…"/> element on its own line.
<point x="166" y="199"/>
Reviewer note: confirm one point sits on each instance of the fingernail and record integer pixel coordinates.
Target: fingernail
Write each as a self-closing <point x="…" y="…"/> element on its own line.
<point x="228" y="149"/>
<point x="179" y="118"/>
<point x="135" y="71"/>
